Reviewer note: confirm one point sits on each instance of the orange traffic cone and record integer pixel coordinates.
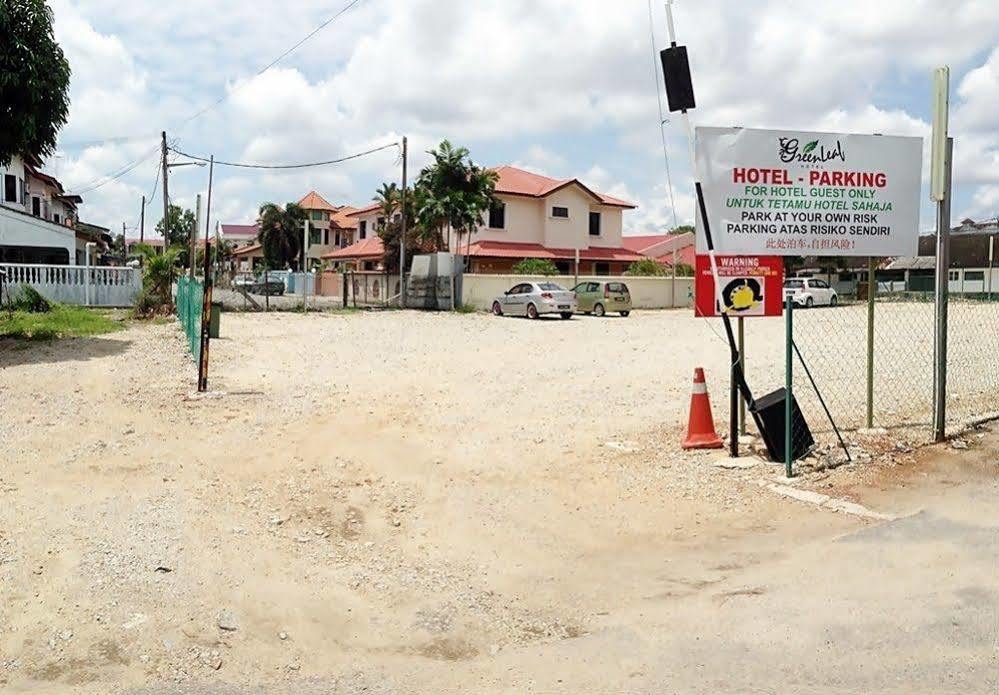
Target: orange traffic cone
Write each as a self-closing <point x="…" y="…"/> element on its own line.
<point x="701" y="426"/>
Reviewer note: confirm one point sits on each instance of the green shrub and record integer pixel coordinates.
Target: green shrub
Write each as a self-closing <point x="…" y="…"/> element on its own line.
<point x="648" y="267"/>
<point x="535" y="266"/>
<point x="31" y="301"/>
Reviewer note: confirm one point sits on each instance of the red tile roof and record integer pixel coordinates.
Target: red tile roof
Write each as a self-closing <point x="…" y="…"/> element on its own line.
<point x="341" y="218"/>
<point x="149" y="241"/>
<point x="365" y="210"/>
<point x="246" y="250"/>
<point x="371" y="247"/>
<point x="642" y="244"/>
<point x="240" y="230"/>
<point x="508" y="249"/>
<point x="684" y="256"/>
<point x="514" y="181"/>
<point x="314" y="201"/>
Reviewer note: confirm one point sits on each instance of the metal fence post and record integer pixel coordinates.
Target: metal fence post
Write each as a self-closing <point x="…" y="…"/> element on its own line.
<point x="788" y="383"/>
<point x="742" y="365"/>
<point x="942" y="294"/>
<point x="872" y="286"/>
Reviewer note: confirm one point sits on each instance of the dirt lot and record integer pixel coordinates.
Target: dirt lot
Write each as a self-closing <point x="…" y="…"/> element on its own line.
<point x="406" y="502"/>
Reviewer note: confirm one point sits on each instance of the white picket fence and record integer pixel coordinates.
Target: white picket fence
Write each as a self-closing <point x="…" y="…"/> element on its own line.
<point x="73" y="284"/>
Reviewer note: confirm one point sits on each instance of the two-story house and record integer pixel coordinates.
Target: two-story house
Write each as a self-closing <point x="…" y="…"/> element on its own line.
<point x="330" y="228"/>
<point x="37" y="217"/>
<point x="561" y="220"/>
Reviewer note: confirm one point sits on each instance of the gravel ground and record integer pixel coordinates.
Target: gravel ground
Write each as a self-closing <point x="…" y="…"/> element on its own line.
<point x="360" y="496"/>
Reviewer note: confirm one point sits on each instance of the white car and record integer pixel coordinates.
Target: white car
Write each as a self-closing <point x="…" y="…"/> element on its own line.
<point x="532" y="299"/>
<point x="809" y="292"/>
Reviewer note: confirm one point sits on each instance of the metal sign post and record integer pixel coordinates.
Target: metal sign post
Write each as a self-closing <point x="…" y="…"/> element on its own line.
<point x="941" y="157"/>
<point x="680" y="95"/>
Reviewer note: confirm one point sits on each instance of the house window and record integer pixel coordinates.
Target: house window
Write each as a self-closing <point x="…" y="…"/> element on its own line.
<point x="954" y="275"/>
<point x="380" y="223"/>
<point x="497" y="216"/>
<point x="362" y="230"/>
<point x="55" y="218"/>
<point x="10" y="188"/>
<point x="594" y="224"/>
<point x="326" y="237"/>
<point x="601" y="268"/>
<point x="36" y="206"/>
<point x="315" y="236"/>
<point x="974" y="275"/>
<point x="337" y="240"/>
<point x="560" y="212"/>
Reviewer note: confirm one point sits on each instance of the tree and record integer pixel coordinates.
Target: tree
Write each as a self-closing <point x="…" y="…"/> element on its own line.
<point x="535" y="266"/>
<point x="389" y="197"/>
<point x="182" y="225"/>
<point x="682" y="229"/>
<point x="684" y="270"/>
<point x="648" y="267"/>
<point x="281" y="233"/>
<point x="452" y="193"/>
<point x="159" y="272"/>
<point x="34" y="81"/>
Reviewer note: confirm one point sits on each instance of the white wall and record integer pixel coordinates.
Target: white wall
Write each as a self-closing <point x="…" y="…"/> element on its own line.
<point x="16" y="168"/>
<point x="523" y="223"/>
<point x="611" y="227"/>
<point x="646" y="292"/>
<point x="20" y="229"/>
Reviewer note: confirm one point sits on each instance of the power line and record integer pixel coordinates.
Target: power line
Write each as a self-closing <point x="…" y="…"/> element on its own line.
<point x="286" y="166"/>
<point x="274" y="62"/>
<point x="114" y="176"/>
<point x="662" y="117"/>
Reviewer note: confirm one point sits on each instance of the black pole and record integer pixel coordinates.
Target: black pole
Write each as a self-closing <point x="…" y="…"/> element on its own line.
<point x="822" y="400"/>
<point x="206" y="304"/>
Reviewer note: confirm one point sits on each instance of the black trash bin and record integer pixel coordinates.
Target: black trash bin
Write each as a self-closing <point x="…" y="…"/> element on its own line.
<point x="770" y="414"/>
<point x="215" y="320"/>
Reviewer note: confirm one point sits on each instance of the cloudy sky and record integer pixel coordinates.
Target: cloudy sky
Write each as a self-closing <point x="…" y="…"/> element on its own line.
<point x="561" y="87"/>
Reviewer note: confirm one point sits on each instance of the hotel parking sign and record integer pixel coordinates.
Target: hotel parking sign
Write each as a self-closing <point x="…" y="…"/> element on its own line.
<point x="794" y="193"/>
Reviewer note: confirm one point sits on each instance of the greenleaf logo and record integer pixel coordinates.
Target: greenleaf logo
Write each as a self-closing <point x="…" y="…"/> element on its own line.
<point x="809" y="153"/>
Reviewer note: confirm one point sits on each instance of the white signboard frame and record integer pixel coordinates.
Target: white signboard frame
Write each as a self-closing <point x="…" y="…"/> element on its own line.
<point x="801" y="193"/>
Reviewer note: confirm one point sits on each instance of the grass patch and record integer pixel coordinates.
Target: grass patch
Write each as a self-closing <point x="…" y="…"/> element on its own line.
<point x="465" y="309"/>
<point x="61" y="322"/>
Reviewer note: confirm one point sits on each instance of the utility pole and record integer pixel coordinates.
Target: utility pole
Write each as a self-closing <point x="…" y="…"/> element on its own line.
<point x="305" y="262"/>
<point x="124" y="244"/>
<point x="193" y="261"/>
<point x="142" y="221"/>
<point x="402" y="241"/>
<point x="166" y="192"/>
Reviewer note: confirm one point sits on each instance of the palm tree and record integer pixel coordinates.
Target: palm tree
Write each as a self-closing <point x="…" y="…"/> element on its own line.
<point x="453" y="193"/>
<point x="389" y="199"/>
<point x="280" y="233"/>
<point x="159" y="272"/>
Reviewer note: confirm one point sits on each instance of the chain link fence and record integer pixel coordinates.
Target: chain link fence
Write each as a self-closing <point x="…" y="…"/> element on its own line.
<point x="872" y="365"/>
<point x="190" y="303"/>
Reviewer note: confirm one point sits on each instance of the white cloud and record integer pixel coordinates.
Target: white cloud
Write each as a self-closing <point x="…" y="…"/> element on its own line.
<point x="554" y="85"/>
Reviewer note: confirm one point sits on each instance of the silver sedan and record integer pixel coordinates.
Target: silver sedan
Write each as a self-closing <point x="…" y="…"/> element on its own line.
<point x="532" y="299"/>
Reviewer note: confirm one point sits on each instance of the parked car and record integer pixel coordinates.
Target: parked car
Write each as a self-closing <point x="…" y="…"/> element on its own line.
<point x="809" y="292"/>
<point x="600" y="297"/>
<point x="532" y="299"/>
<point x="258" y="285"/>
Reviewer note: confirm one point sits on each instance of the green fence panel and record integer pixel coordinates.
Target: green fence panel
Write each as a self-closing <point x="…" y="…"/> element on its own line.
<point x="190" y="301"/>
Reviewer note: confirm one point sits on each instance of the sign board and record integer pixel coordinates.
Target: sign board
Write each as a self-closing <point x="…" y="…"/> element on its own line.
<point x="793" y="193"/>
<point x="750" y="286"/>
